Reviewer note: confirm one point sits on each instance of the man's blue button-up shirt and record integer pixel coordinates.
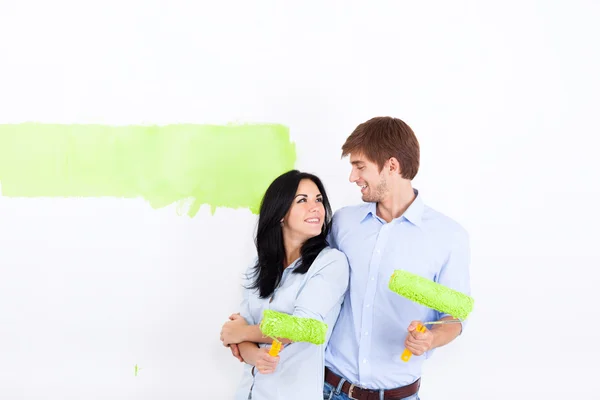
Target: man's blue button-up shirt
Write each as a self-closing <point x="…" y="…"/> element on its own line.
<point x="369" y="335"/>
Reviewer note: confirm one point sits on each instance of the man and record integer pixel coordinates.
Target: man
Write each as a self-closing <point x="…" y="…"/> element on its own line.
<point x="393" y="229"/>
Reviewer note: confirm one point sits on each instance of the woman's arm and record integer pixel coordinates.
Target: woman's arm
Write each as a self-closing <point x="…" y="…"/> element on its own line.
<point x="326" y="288"/>
<point x="258" y="357"/>
<point x="253" y="333"/>
<point x="323" y="291"/>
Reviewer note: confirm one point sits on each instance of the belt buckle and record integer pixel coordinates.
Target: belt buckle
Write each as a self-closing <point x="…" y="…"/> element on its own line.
<point x="350" y="390"/>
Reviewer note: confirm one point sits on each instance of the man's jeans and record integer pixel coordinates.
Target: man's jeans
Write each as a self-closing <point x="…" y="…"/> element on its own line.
<point x="331" y="393"/>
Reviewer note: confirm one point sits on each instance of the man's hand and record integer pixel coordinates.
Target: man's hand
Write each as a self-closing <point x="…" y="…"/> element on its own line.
<point x="235" y="351"/>
<point x="418" y="342"/>
<point x="234" y="330"/>
<point x="266" y="364"/>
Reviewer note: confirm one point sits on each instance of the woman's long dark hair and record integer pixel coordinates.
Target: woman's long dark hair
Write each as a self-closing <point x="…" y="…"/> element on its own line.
<point x="269" y="235"/>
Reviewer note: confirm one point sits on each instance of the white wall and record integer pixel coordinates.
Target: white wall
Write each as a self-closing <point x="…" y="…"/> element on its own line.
<point x="502" y="95"/>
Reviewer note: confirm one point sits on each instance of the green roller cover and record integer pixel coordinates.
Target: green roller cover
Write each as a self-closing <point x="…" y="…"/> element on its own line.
<point x="296" y="329"/>
<point x="431" y="294"/>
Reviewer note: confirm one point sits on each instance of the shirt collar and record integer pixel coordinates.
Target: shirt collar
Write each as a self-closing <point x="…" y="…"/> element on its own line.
<point x="413" y="214"/>
<point x="368" y="209"/>
<point x="293" y="265"/>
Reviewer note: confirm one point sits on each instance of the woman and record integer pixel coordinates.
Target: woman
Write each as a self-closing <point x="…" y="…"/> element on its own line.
<point x="297" y="273"/>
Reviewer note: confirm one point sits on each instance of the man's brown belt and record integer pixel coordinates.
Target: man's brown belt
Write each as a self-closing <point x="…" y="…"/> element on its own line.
<point x="358" y="393"/>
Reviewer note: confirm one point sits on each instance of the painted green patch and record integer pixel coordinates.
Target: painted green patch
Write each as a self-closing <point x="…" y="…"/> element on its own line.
<point x="223" y="166"/>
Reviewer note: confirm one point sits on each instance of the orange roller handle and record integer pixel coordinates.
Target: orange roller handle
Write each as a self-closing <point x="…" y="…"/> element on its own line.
<point x="275" y="348"/>
<point x="407" y="354"/>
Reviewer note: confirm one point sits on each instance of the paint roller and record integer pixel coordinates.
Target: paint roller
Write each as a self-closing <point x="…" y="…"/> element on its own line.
<point x="296" y="329"/>
<point x="433" y="295"/>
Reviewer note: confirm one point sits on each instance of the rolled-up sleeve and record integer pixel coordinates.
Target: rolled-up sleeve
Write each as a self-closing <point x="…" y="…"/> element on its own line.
<point x="326" y="287"/>
<point x="455" y="271"/>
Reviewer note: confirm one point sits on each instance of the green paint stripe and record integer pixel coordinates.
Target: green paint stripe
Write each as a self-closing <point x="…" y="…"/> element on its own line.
<point x="223" y="166"/>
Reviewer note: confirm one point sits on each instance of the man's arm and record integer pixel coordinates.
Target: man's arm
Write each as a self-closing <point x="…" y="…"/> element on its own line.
<point x="444" y="333"/>
<point x="455" y="275"/>
<point x="248" y="352"/>
<point x="440" y="335"/>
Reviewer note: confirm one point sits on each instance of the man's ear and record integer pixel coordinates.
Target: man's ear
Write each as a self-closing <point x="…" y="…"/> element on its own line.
<point x="394" y="166"/>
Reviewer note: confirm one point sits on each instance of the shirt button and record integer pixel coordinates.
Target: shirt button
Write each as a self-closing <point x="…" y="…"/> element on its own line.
<point x="372" y="278"/>
<point x="365" y="361"/>
<point x="366" y="333"/>
<point x="368" y="305"/>
<point x="378" y="251"/>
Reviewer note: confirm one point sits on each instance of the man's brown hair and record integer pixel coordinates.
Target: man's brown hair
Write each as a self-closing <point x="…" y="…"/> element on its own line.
<point x="381" y="138"/>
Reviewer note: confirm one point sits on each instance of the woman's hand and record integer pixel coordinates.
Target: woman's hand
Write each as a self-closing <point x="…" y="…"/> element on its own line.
<point x="265" y="363"/>
<point x="234" y="331"/>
